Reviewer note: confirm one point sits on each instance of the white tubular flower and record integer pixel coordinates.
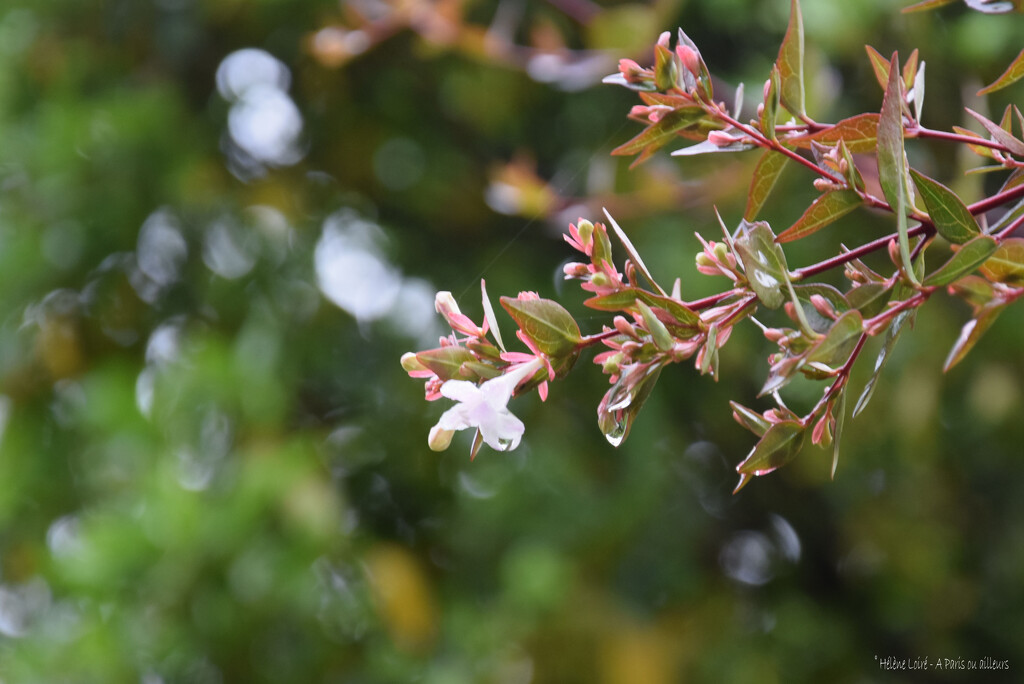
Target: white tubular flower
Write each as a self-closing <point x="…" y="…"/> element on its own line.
<point x="486" y="407"/>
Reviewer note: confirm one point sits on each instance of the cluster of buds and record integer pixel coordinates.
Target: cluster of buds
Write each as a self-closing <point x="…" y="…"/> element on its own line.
<point x="599" y="276"/>
<point x="717" y="259"/>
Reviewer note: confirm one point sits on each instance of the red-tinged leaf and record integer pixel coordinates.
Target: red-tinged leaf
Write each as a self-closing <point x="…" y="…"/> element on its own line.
<point x="974" y="290"/>
<point x="970" y="256"/>
<point x="549" y="326"/>
<point x="447" y="362"/>
<point x="1013" y="180"/>
<point x="708" y="147"/>
<point x="980" y="150"/>
<point x="860" y="133"/>
<point x="910" y="70"/>
<point x="659" y="134"/>
<point x="667" y="99"/>
<point x="770" y="110"/>
<point x="828" y="208"/>
<point x="927" y="5"/>
<point x="998" y="134"/>
<point x="665" y="72"/>
<point x="750" y="419"/>
<point x="950" y="215"/>
<point x="791" y="62"/>
<point x="892" y="159"/>
<point x="971" y="333"/>
<point x="766" y="175"/>
<point x="1006" y="265"/>
<point x="879" y="64"/>
<point x="779" y="445"/>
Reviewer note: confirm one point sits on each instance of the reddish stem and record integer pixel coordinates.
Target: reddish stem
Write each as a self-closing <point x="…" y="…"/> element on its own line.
<point x="922" y="132"/>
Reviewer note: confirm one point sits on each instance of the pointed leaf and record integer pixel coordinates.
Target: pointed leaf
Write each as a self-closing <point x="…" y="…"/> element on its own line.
<point x="1006" y="265"/>
<point x="910" y="70"/>
<point x="879" y="64"/>
<point x="919" y="92"/>
<point x="550" y="327"/>
<point x="776" y="448"/>
<point x="998" y="134"/>
<point x="766" y="175"/>
<point x="892" y="336"/>
<point x="828" y="208"/>
<point x="972" y="331"/>
<point x="708" y="147"/>
<point x="980" y="150"/>
<point x="948" y="212"/>
<point x="633" y="254"/>
<point x="791" y="63"/>
<point x="770" y="110"/>
<point x="859" y="132"/>
<point x="659" y="134"/>
<point x="750" y="419"/>
<point x="492" y="322"/>
<point x="970" y="256"/>
<point x="892" y="159"/>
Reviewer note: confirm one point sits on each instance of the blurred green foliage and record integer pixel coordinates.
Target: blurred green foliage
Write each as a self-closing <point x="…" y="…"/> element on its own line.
<point x="213" y="469"/>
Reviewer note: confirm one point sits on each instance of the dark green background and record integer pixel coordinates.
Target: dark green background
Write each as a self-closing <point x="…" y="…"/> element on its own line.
<point x="209" y="472"/>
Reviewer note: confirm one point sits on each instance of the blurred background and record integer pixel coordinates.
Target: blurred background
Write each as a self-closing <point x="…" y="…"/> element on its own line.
<point x="223" y="221"/>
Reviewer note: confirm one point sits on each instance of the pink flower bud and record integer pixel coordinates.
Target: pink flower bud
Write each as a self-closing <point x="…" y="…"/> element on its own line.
<point x="720" y="138"/>
<point x="527" y="296"/>
<point x="774" y="334"/>
<point x="664" y="38"/>
<point x="894" y="252"/>
<point x="823" y="184"/>
<point x="575" y="270"/>
<point x="823" y="306"/>
<point x="690" y="59"/>
<point x="767" y="88"/>
<point x="631" y="71"/>
<point x="624" y="326"/>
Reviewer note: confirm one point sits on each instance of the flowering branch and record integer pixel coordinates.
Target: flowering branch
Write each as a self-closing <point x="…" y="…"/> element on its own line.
<point x="652" y="327"/>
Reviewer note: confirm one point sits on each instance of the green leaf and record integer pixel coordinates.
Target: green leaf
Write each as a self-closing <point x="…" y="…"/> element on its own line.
<point x="972" y="331"/>
<point x="659" y="134"/>
<point x="892" y="335"/>
<point x="665" y="70"/>
<point x="764" y="262"/>
<point x="927" y="5"/>
<point x="791" y="63"/>
<point x="892" y="160"/>
<point x="446" y="362"/>
<point x="625" y="300"/>
<point x="750" y="419"/>
<point x="948" y="212"/>
<point x="868" y="298"/>
<point x="766" y="174"/>
<point x="835" y="347"/>
<point x="633" y="254"/>
<point x="860" y="133"/>
<point x="1006" y="265"/>
<point x="998" y="134"/>
<point x="969" y="257"/>
<point x="779" y="445"/>
<point x="828" y="208"/>
<point x="550" y="327"/>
